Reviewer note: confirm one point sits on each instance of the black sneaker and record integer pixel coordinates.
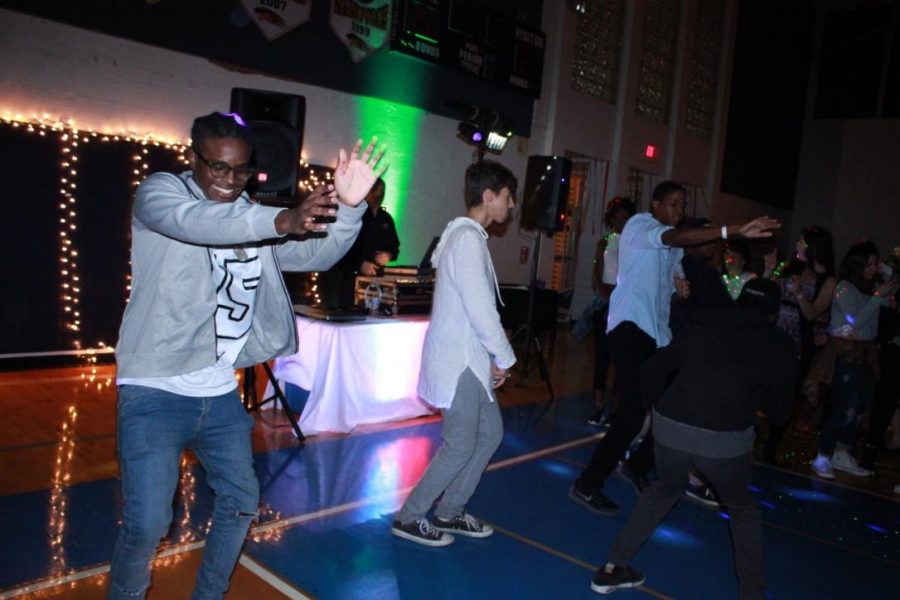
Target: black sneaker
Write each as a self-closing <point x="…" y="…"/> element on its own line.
<point x="464" y="524"/>
<point x="598" y="418"/>
<point x="619" y="577"/>
<point x="421" y="531"/>
<point x="638" y="482"/>
<point x="595" y="502"/>
<point x="703" y="494"/>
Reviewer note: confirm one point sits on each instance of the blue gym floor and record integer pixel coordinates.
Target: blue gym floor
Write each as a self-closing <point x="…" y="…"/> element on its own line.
<point x="327" y="507"/>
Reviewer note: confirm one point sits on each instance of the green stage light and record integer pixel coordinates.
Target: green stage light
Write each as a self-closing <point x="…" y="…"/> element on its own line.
<point x="399" y="128"/>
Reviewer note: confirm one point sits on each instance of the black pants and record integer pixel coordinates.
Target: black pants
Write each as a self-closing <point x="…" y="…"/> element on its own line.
<point x="629" y="348"/>
<point x="601" y="349"/>
<point x="730" y="477"/>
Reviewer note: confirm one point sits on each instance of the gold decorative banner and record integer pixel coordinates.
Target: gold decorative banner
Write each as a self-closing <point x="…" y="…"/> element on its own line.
<point x="361" y="25"/>
<point x="277" y="17"/>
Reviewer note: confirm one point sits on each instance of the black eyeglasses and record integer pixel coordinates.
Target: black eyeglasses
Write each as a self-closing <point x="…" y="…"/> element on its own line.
<point x="220" y="170"/>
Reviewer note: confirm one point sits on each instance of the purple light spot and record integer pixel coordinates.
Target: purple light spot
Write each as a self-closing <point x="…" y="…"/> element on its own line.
<point x="725" y="516"/>
<point x="477" y="136"/>
<point x="768" y="504"/>
<point x="755" y="489"/>
<point x="237" y="118"/>
<point x="874" y="527"/>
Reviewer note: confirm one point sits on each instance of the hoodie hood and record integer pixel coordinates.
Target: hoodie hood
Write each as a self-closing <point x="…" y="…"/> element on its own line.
<point x="445" y="235"/>
<point x="458" y="223"/>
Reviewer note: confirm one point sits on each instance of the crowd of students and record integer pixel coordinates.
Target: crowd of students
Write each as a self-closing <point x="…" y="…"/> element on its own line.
<point x="687" y="371"/>
<point x="843" y="323"/>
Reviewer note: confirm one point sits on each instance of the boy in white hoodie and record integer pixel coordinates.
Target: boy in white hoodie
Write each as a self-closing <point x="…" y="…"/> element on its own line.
<point x="465" y="357"/>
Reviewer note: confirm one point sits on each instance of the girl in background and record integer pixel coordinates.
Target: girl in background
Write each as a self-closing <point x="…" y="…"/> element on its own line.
<point x="849" y="362"/>
<point x="807" y="286"/>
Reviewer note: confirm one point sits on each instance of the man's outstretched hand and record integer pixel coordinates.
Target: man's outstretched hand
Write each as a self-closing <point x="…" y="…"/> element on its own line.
<point x="760" y="227"/>
<point x="355" y="174"/>
<point x="305" y="217"/>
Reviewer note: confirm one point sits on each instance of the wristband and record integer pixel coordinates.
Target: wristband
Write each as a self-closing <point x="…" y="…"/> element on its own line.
<point x="724" y="232"/>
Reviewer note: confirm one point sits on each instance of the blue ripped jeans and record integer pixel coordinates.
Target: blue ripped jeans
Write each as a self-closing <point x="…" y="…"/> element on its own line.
<point x="154" y="428"/>
<point x="850" y="395"/>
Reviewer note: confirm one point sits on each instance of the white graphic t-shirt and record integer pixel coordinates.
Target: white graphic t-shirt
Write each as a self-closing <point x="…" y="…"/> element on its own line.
<point x="236" y="272"/>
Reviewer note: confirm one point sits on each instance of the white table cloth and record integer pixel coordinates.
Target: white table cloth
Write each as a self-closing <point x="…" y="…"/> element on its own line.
<point x="356" y="373"/>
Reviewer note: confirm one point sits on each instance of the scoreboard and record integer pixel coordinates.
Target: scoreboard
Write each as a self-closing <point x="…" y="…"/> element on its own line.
<point x="463" y="35"/>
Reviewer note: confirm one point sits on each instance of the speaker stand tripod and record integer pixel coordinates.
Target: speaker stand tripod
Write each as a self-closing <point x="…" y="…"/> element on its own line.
<point x="252" y="403"/>
<point x="526" y="329"/>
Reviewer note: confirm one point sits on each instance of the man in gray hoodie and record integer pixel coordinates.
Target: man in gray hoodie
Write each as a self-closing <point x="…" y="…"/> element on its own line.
<point x="207" y="297"/>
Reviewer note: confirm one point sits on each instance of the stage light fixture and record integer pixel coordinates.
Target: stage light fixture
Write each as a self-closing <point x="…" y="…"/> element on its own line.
<point x="484" y="138"/>
<point x="469" y="133"/>
<point x="496" y="142"/>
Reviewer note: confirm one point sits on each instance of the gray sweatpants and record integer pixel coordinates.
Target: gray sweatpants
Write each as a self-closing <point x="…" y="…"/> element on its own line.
<point x="472" y="431"/>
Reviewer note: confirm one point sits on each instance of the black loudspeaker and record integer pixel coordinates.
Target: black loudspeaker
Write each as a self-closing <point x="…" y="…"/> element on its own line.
<point x="277" y="123"/>
<point x="546" y="193"/>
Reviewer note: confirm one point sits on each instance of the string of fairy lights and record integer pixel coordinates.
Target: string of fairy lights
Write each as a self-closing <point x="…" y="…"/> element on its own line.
<point x="69" y="281"/>
<point x="312" y="178"/>
<point x="71" y="140"/>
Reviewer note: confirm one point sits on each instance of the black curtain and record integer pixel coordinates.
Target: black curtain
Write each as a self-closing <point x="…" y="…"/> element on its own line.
<point x="31" y="307"/>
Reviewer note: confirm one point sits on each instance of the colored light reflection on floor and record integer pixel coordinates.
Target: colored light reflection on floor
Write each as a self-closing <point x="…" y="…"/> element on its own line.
<point x="675" y="537"/>
<point x="395" y="465"/>
<point x="514" y="442"/>
<point x="877" y="528"/>
<point x="810" y="495"/>
<point x="558" y="468"/>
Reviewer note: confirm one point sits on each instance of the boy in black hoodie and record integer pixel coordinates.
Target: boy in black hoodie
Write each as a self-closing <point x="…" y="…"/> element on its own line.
<point x="729" y="364"/>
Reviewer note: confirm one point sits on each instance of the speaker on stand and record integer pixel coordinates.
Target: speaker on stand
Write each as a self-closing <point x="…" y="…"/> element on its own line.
<point x="276" y="120"/>
<point x="544" y="201"/>
<point x="546" y="193"/>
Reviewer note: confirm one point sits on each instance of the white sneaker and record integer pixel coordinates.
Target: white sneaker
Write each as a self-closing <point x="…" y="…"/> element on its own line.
<point x="822" y="466"/>
<point x="844" y="461"/>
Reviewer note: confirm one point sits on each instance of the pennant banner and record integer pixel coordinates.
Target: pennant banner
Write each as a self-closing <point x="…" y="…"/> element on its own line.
<point x="277" y="17"/>
<point x="361" y="25"/>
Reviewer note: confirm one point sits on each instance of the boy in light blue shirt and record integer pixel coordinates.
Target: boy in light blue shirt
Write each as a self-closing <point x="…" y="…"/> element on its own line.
<point x="650" y="252"/>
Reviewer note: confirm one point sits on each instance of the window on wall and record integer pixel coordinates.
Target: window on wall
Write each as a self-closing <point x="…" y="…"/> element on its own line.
<point x="703" y="73"/>
<point x="598" y="48"/>
<point x="697" y="205"/>
<point x="657" y="67"/>
<point x="640" y="189"/>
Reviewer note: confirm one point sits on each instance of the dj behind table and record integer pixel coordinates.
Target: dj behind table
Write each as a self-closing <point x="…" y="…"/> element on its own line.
<point x="376" y="245"/>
